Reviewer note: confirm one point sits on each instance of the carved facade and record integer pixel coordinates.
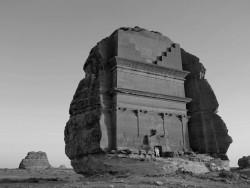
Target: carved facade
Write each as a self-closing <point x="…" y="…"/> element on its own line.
<point x="144" y="90"/>
<point x="135" y="85"/>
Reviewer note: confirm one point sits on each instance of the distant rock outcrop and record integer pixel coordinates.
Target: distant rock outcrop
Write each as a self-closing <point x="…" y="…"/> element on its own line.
<point x="35" y="160"/>
<point x="244" y="162"/>
<point x="207" y="131"/>
<point x="62" y="167"/>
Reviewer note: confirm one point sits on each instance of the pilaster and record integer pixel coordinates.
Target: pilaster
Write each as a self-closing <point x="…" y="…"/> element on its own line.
<point x="184" y="120"/>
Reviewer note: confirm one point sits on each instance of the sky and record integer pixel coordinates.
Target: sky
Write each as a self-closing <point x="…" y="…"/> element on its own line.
<point x="44" y="44"/>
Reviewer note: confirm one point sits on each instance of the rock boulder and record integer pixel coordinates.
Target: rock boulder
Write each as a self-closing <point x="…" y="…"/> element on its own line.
<point x="244" y="162"/>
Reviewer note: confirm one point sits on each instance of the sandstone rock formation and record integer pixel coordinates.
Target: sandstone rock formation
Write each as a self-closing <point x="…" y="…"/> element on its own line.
<point x="135" y="83"/>
<point x="207" y="131"/>
<point x="35" y="160"/>
<point x="83" y="131"/>
<point x="244" y="162"/>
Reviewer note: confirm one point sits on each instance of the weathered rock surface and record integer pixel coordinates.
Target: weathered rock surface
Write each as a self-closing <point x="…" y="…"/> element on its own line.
<point x="182" y="165"/>
<point x="82" y="132"/>
<point x="35" y="160"/>
<point x="207" y="131"/>
<point x="244" y="162"/>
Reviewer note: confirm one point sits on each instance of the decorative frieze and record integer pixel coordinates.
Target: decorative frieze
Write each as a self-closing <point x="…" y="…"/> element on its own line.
<point x="138" y="111"/>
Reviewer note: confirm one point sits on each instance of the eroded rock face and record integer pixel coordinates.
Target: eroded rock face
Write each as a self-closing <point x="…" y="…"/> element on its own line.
<point x="207" y="131"/>
<point x="82" y="131"/>
<point x="35" y="160"/>
<point x="244" y="162"/>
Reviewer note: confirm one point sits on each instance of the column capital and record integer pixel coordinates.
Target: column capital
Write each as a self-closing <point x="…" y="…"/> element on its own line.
<point x="135" y="112"/>
<point x="121" y="109"/>
<point x="162" y="115"/>
<point x="183" y="117"/>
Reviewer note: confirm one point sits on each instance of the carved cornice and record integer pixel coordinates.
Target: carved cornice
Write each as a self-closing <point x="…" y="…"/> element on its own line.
<point x="183" y="117"/>
<point x="118" y="62"/>
<point x="150" y="95"/>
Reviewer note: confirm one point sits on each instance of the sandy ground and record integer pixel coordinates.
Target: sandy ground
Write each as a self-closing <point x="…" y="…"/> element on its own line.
<point x="142" y="174"/>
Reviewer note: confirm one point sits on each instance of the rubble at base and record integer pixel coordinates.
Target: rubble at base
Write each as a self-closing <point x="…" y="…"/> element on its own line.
<point x="184" y="162"/>
<point x="113" y="162"/>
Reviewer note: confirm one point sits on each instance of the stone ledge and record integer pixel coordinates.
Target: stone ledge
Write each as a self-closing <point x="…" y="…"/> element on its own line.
<point x="121" y="62"/>
<point x="150" y="95"/>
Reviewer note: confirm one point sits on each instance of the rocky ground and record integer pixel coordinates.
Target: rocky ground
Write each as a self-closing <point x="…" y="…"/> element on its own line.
<point x="160" y="172"/>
